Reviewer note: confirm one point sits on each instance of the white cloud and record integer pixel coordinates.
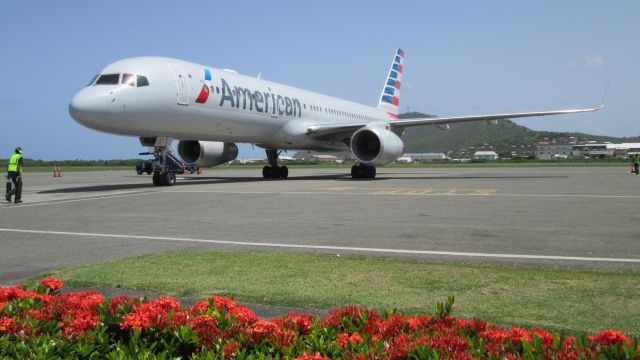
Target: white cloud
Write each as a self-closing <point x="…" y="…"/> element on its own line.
<point x="593" y="61"/>
<point x="587" y="61"/>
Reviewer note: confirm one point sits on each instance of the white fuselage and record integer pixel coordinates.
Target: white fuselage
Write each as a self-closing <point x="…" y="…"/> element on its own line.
<point x="187" y="101"/>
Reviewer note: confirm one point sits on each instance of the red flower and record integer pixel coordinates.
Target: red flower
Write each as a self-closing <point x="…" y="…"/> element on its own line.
<point x="609" y="337"/>
<point x="119" y="303"/>
<point x="298" y="322"/>
<point x="260" y="329"/>
<point x="206" y="326"/>
<point x="11" y="293"/>
<point x="223" y="303"/>
<point x="344" y="339"/>
<point x="152" y="314"/>
<point x="544" y="335"/>
<point x="453" y="346"/>
<point x="243" y="315"/>
<point x="231" y="348"/>
<point x="7" y="325"/>
<point x="316" y="356"/>
<point x="52" y="283"/>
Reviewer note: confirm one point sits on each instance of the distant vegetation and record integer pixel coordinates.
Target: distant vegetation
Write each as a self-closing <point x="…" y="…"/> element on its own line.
<point x="506" y="137"/>
<point x="39" y="163"/>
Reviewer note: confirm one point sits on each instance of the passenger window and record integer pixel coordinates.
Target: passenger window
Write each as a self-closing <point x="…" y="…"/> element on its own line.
<point x="93" y="80"/>
<point x="142" y="81"/>
<point x="128" y="79"/>
<point x="108" y="79"/>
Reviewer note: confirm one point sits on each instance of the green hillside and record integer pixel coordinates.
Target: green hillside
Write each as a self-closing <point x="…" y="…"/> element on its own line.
<point x="504" y="138"/>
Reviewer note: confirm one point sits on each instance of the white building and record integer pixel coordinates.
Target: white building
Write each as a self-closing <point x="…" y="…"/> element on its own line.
<point x="553" y="151"/>
<point x="426" y="156"/>
<point x="485" y="155"/>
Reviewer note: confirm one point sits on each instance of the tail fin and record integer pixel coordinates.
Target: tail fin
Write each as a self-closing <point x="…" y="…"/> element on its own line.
<point x="390" y="98"/>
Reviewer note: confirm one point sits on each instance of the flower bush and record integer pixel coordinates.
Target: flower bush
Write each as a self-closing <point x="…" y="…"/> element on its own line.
<point x="43" y="323"/>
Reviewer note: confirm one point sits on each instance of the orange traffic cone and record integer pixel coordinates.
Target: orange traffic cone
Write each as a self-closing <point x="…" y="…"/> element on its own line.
<point x="199" y="171"/>
<point x="633" y="169"/>
<point x="55" y="171"/>
<point x="59" y="173"/>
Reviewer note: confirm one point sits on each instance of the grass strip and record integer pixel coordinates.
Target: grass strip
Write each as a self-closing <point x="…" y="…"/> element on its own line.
<point x="553" y="298"/>
<point x="41" y="169"/>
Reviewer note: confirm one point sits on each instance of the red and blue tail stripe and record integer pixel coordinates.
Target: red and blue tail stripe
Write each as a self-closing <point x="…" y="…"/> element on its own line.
<point x="390" y="97"/>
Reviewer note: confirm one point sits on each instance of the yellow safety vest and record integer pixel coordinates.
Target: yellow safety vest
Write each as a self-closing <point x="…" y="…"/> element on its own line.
<point x="636" y="159"/>
<point x="13" y="163"/>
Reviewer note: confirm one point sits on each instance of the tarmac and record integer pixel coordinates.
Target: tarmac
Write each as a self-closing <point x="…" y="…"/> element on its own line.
<point x="584" y="217"/>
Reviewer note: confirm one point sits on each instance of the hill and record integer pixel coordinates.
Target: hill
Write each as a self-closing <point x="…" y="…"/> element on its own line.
<point x="504" y="138"/>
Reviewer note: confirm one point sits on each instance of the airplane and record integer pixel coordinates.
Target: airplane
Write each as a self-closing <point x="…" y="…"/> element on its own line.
<point x="209" y="110"/>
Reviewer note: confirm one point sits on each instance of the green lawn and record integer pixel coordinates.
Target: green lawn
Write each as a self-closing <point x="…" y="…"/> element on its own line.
<point x="553" y="298"/>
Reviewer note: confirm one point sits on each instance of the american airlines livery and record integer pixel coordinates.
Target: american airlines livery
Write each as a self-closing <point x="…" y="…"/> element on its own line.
<point x="209" y="110"/>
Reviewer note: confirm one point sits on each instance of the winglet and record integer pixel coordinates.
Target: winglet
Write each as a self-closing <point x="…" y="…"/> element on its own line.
<point x="606" y="91"/>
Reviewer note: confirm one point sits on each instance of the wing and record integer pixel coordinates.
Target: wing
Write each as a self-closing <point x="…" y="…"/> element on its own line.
<point x="342" y="128"/>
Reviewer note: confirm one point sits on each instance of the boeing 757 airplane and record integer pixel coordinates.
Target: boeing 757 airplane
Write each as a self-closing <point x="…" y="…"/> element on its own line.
<point x="209" y="110"/>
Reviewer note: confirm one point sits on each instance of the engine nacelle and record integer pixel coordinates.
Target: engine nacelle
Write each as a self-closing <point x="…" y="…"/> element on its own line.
<point x="206" y="153"/>
<point x="376" y="146"/>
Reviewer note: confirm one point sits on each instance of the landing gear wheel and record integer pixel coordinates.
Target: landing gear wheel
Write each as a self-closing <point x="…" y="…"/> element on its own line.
<point x="370" y="172"/>
<point x="139" y="171"/>
<point x="266" y="172"/>
<point x="169" y="178"/>
<point x="284" y="172"/>
<point x="363" y="172"/>
<point x="157" y="180"/>
<point x="354" y="172"/>
<point x="276" y="172"/>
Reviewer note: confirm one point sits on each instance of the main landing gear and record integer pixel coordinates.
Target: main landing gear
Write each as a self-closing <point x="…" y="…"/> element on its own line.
<point x="273" y="171"/>
<point x="363" y="171"/>
<point x="167" y="178"/>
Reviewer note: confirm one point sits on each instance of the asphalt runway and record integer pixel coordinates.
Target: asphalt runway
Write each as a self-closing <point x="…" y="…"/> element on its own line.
<point x="574" y="217"/>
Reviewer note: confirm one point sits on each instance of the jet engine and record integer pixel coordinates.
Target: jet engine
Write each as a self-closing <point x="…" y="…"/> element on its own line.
<point x="376" y="146"/>
<point x="206" y="153"/>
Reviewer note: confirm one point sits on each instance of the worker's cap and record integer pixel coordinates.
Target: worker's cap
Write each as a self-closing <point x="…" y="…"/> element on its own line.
<point x="18" y="150"/>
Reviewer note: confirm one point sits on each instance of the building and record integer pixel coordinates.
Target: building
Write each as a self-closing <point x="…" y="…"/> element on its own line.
<point x="485" y="155"/>
<point x="545" y="151"/>
<point x="623" y="150"/>
<point x="424" y="157"/>
<point x="328" y="158"/>
<point x="590" y="151"/>
<point x="404" y="160"/>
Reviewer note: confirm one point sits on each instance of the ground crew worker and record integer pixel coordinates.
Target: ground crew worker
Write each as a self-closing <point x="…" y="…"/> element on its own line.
<point x="636" y="162"/>
<point x="14" y="173"/>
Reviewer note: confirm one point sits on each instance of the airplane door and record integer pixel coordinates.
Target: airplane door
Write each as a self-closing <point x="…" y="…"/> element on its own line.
<point x="182" y="84"/>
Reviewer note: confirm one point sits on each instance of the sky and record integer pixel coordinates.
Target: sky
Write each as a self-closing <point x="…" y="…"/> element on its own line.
<point x="462" y="58"/>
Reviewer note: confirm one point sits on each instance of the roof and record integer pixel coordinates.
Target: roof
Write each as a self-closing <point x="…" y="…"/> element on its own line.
<point x="485" y="153"/>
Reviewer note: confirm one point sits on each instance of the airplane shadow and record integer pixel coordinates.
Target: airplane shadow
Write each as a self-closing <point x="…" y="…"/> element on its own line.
<point x="211" y="180"/>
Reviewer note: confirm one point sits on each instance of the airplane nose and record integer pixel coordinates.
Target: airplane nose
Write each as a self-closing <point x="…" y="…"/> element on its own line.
<point x="88" y="107"/>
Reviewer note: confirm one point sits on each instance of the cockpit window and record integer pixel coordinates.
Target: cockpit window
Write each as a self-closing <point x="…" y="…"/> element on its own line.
<point x="108" y="79"/>
<point x="142" y="81"/>
<point x="93" y="80"/>
<point x="128" y="79"/>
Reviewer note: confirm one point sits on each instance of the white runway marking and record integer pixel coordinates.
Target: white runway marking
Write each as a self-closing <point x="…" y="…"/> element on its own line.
<point x="332" y="248"/>
<point x="54" y="202"/>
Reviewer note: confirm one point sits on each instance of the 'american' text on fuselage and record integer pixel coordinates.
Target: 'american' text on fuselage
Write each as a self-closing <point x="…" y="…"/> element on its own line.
<point x="263" y="102"/>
